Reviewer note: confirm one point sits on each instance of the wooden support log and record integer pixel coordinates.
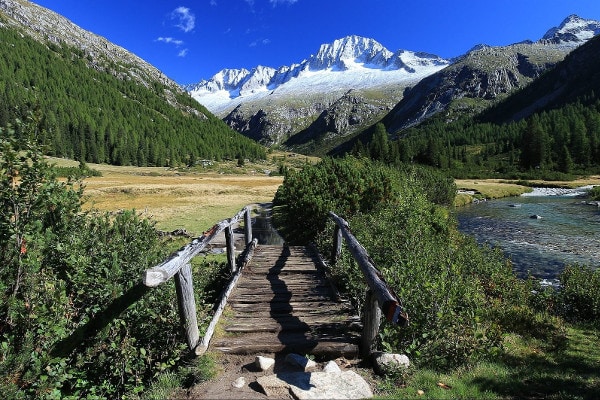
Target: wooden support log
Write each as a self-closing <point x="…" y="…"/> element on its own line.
<point x="163" y="272"/>
<point x="337" y="245"/>
<point x="203" y="345"/>
<point x="248" y="225"/>
<point x="230" y="245"/>
<point x="388" y="301"/>
<point x="187" y="305"/>
<point x="371" y="320"/>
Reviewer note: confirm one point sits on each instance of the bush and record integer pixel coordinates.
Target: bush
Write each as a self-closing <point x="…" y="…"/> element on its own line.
<point x="348" y="186"/>
<point x="437" y="278"/>
<point x="594" y="193"/>
<point x="75" y="321"/>
<point x="579" y="295"/>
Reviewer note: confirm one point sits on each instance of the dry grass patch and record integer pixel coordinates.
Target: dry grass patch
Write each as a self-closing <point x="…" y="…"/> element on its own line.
<point x="497" y="188"/>
<point x="193" y="201"/>
<point x="492" y="188"/>
<point x="190" y="202"/>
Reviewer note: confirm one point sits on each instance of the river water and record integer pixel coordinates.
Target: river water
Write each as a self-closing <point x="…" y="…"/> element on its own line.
<point x="262" y="228"/>
<point x="566" y="230"/>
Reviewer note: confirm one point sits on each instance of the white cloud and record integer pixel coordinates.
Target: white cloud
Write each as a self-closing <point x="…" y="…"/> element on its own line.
<point x="277" y="2"/>
<point x="263" y="42"/>
<point x="184" y="18"/>
<point x="170" y="40"/>
<point x="182" y="53"/>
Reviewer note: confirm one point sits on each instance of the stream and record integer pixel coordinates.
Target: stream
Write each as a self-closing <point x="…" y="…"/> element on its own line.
<point x="540" y="232"/>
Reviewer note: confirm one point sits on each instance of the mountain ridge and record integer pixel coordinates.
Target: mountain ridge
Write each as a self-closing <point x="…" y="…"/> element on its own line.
<point x="351" y="53"/>
<point x="298" y="104"/>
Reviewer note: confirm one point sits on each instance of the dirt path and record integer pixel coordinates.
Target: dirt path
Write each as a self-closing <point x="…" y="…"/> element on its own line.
<point x="233" y="367"/>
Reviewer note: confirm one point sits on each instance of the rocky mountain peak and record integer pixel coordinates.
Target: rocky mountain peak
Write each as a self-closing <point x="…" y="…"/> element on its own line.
<point x="348" y="50"/>
<point x="573" y="29"/>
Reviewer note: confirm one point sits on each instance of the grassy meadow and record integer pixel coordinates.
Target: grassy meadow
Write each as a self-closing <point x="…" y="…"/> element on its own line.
<point x="498" y="188"/>
<point x="184" y="198"/>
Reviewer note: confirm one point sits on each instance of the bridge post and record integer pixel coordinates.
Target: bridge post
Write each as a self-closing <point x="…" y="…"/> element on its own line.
<point x="230" y="244"/>
<point x="187" y="305"/>
<point x="248" y="226"/>
<point x="337" y="245"/>
<point x="371" y="320"/>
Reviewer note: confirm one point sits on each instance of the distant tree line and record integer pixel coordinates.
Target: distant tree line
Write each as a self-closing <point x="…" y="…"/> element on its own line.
<point x="93" y="115"/>
<point x="563" y="140"/>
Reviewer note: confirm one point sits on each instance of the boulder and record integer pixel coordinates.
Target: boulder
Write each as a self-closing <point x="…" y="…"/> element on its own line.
<point x="264" y="363"/>
<point x="331" y="366"/>
<point x="316" y="385"/>
<point x="387" y="363"/>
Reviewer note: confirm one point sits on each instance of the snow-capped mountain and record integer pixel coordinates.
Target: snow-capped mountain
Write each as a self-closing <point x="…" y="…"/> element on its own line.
<point x="349" y="63"/>
<point x="573" y="30"/>
<point x="353" y="82"/>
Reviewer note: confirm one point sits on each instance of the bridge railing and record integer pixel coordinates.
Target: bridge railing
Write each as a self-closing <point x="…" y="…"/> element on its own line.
<point x="178" y="266"/>
<point x="380" y="298"/>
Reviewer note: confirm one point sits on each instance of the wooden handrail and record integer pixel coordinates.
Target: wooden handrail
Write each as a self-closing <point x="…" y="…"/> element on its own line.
<point x="167" y="269"/>
<point x="380" y="296"/>
<point x="178" y="266"/>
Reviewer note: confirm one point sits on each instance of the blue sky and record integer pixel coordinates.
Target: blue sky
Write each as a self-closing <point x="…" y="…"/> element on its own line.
<point x="191" y="40"/>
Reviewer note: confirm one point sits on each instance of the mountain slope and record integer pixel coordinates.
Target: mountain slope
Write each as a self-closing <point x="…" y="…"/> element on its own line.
<point x="549" y="130"/>
<point x="271" y="105"/>
<point x="577" y="76"/>
<point x="98" y="102"/>
<point x="487" y="74"/>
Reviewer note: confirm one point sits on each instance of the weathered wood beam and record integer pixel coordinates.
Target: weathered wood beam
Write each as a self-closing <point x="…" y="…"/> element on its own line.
<point x="248" y="225"/>
<point x="166" y="270"/>
<point x="371" y="321"/>
<point x="187" y="305"/>
<point x="230" y="245"/>
<point x="337" y="245"/>
<point x="388" y="301"/>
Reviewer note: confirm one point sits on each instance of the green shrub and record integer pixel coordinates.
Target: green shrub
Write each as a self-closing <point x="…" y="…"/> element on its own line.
<point x="348" y="186"/>
<point x="75" y="320"/>
<point x="594" y="193"/>
<point x="579" y="295"/>
<point x="436" y="278"/>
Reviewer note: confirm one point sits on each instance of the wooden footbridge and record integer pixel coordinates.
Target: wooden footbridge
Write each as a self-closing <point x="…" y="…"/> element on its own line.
<point x="279" y="299"/>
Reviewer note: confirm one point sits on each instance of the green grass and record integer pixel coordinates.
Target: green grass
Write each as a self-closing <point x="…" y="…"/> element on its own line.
<point x="169" y="384"/>
<point x="527" y="369"/>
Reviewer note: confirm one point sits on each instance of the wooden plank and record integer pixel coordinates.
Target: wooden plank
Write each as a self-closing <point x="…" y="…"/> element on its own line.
<point x="204" y="343"/>
<point x="187" y="305"/>
<point x="319" y="346"/>
<point x="284" y="303"/>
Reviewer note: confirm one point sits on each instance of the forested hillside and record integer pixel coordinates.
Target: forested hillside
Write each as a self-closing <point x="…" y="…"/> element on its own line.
<point x="549" y="128"/>
<point x="94" y="113"/>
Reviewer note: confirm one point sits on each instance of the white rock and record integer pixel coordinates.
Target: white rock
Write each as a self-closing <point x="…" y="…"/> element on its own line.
<point x="316" y="385"/>
<point x="332" y="366"/>
<point x="239" y="382"/>
<point x="264" y="363"/>
<point x="300" y="361"/>
<point x="385" y="363"/>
